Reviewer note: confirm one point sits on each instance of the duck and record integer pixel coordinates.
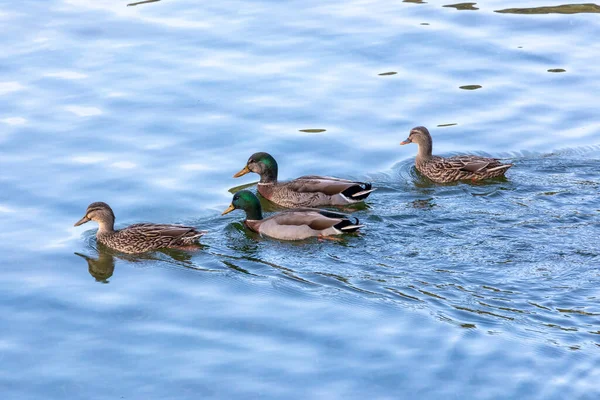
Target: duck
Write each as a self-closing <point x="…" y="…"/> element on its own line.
<point x="138" y="238"/>
<point x="451" y="169"/>
<point x="296" y="224"/>
<point x="306" y="191"/>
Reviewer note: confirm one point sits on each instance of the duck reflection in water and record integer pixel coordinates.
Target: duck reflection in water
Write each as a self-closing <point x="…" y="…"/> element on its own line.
<point x="100" y="268"/>
<point x="103" y="267"/>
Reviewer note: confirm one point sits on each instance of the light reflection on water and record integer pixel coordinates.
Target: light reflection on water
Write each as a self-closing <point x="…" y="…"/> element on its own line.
<point x="484" y="290"/>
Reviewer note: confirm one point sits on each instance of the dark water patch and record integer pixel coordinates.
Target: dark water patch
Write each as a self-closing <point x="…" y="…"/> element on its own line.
<point x="424" y="23"/>
<point x="562" y="9"/>
<point x="312" y="130"/>
<point x="423" y="204"/>
<point x="142" y="2"/>
<point x="470" y="87"/>
<point x="387" y="73"/>
<point x="463" y="6"/>
<point x="557" y="70"/>
<point x="580" y="312"/>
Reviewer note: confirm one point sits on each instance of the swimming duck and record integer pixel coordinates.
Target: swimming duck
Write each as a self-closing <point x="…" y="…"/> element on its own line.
<point x="291" y="224"/>
<point x="306" y="191"/>
<point x="137" y="238"/>
<point x="451" y="169"/>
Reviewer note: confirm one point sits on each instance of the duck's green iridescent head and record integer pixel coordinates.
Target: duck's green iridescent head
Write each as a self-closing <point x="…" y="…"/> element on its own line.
<point x="263" y="164"/>
<point x="247" y="201"/>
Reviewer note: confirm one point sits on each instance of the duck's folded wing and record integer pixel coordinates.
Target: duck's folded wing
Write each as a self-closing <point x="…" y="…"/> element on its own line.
<point x="473" y="164"/>
<point x="321" y="184"/>
<point x="174" y="232"/>
<point x="311" y="218"/>
<point x="475" y="167"/>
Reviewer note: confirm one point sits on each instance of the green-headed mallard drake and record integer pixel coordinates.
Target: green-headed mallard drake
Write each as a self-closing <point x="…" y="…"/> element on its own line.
<point x="451" y="169"/>
<point x="137" y="238"/>
<point x="291" y="224"/>
<point x="306" y="191"/>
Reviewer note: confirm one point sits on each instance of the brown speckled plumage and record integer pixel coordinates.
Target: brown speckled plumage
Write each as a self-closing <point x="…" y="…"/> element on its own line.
<point x="306" y="191"/>
<point x="138" y="238"/>
<point x="451" y="169"/>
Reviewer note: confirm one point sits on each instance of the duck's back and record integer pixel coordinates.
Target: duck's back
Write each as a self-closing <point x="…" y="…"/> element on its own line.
<point x="144" y="237"/>
<point x="463" y="167"/>
<point x="315" y="191"/>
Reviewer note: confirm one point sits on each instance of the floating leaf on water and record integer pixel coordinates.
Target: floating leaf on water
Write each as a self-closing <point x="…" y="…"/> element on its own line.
<point x="557" y="70"/>
<point x="414" y="1"/>
<point x="470" y="87"/>
<point x="313" y="130"/>
<point x="235" y="189"/>
<point x="444" y="125"/>
<point x="463" y="6"/>
<point x="142" y="2"/>
<point x="388" y="73"/>
<point x="564" y="9"/>
<point x="468" y="326"/>
<point x="424" y="23"/>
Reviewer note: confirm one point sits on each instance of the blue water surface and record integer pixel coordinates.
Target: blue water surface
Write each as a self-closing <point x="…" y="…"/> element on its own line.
<point x="474" y="291"/>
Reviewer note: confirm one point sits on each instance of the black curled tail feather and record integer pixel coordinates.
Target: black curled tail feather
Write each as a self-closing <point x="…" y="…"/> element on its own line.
<point x="355" y="192"/>
<point x="349" y="226"/>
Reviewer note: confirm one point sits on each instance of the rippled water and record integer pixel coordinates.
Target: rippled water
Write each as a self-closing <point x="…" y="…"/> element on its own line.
<point x="467" y="290"/>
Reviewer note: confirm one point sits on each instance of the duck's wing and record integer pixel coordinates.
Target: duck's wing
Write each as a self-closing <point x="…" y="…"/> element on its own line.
<point x="473" y="164"/>
<point x="172" y="233"/>
<point x="330" y="186"/>
<point x="315" y="219"/>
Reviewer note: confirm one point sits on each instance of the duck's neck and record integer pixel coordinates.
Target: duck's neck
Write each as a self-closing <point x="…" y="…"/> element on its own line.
<point x="269" y="175"/>
<point x="254" y="213"/>
<point x="425" y="151"/>
<point x="106" y="227"/>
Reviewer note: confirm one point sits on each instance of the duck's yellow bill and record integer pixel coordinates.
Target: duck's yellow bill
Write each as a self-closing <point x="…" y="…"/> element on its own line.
<point x="229" y="209"/>
<point x="82" y="221"/>
<point x="243" y="172"/>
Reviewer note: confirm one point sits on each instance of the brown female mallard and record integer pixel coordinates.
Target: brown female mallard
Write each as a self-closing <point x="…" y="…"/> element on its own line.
<point x="137" y="238"/>
<point x="451" y="169"/>
<point x="306" y="191"/>
<point x="292" y="224"/>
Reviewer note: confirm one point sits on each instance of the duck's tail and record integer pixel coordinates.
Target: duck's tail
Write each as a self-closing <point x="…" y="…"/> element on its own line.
<point x="503" y="168"/>
<point x="348" y="226"/>
<point x="192" y="237"/>
<point x="359" y="192"/>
